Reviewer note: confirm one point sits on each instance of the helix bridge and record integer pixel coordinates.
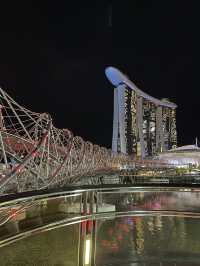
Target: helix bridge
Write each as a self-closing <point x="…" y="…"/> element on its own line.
<point x="36" y="155"/>
<point x="51" y="179"/>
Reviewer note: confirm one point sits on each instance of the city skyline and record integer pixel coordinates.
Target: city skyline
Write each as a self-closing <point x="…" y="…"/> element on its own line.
<point x="55" y="57"/>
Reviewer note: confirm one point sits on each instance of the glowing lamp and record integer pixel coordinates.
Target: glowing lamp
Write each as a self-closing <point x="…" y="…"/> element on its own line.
<point x="87" y="251"/>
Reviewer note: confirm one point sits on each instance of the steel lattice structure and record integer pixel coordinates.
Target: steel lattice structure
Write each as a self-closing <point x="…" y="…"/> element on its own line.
<point x="36" y="155"/>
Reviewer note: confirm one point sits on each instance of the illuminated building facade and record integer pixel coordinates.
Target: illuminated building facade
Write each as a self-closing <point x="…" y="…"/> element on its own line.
<point x="183" y="157"/>
<point x="142" y="125"/>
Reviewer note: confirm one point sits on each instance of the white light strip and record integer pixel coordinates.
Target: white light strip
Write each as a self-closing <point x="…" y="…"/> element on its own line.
<point x="87" y="251"/>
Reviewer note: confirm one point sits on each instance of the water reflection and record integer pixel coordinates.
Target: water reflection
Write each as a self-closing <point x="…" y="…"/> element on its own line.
<point x="131" y="240"/>
<point x="179" y="201"/>
<point x="153" y="239"/>
<point x="168" y="240"/>
<point x="27" y="216"/>
<point x="53" y="248"/>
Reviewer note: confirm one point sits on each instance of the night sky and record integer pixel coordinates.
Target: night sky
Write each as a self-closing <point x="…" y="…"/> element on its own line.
<point x="53" y="55"/>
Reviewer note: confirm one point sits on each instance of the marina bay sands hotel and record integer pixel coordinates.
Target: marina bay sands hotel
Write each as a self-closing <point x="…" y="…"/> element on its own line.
<point x="143" y="125"/>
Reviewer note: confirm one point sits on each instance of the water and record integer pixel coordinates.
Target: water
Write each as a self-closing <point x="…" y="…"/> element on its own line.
<point x="148" y="241"/>
<point x="130" y="240"/>
<point x="53" y="248"/>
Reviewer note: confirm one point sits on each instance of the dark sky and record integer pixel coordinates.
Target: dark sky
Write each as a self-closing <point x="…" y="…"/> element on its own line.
<point x="53" y="55"/>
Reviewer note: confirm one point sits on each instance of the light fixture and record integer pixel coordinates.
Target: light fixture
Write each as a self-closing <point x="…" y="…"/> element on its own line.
<point x="87" y="251"/>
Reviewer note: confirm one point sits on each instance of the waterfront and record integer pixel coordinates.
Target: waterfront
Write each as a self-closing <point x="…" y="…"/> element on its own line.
<point x="149" y="241"/>
<point x="131" y="239"/>
<point x="53" y="248"/>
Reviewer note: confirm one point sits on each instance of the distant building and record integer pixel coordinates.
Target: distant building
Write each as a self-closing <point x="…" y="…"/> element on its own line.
<point x="181" y="156"/>
<point x="142" y="125"/>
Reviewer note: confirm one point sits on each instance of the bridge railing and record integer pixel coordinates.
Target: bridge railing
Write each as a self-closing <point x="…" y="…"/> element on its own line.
<point x="27" y="214"/>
